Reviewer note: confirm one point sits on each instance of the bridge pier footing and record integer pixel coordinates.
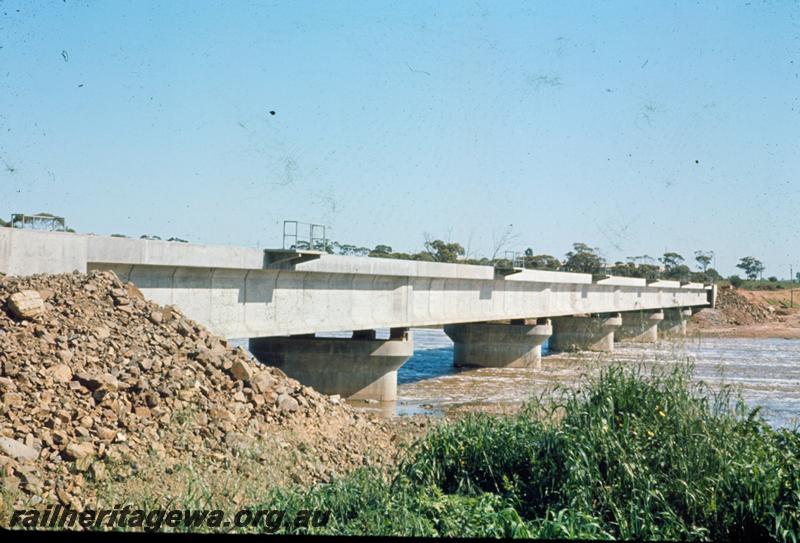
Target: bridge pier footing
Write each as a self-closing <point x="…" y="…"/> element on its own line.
<point x="639" y="326"/>
<point x="595" y="333"/>
<point x="494" y="345"/>
<point x="674" y="323"/>
<point x="362" y="367"/>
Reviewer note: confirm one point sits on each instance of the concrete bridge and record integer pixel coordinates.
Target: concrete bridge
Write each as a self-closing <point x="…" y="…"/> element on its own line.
<point x="279" y="300"/>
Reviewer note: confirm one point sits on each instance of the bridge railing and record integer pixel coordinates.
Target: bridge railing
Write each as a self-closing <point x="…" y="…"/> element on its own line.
<point x="302" y="235"/>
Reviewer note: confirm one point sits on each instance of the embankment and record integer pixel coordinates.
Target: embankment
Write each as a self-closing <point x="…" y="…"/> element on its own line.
<point x="104" y="395"/>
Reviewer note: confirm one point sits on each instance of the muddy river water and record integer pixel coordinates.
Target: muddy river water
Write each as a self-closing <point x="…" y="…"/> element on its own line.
<point x="766" y="372"/>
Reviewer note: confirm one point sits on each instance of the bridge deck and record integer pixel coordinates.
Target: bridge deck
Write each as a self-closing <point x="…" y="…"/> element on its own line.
<point x="243" y="292"/>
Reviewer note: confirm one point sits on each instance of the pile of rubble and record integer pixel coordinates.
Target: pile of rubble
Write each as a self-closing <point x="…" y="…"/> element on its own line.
<point x="739" y="310"/>
<point x="92" y="374"/>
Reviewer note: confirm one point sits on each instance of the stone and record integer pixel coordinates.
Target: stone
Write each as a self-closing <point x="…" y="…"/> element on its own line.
<point x="184" y="328"/>
<point x="12" y="398"/>
<point x="7" y="384"/>
<point x="222" y="415"/>
<point x="26" y="304"/>
<point x="133" y="291"/>
<point x="262" y="381"/>
<point x="77" y="451"/>
<point x="241" y="371"/>
<point x="17" y="450"/>
<point x="106" y="434"/>
<point x="287" y="404"/>
<point x="104" y="381"/>
<point x="65" y="356"/>
<point x="156" y="317"/>
<point x="151" y="399"/>
<point x="61" y="373"/>
<point x="98" y="471"/>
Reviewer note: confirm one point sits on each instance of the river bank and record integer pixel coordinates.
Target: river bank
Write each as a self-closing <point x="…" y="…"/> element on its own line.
<point x="108" y="399"/>
<point x="631" y="454"/>
<point x="749" y="314"/>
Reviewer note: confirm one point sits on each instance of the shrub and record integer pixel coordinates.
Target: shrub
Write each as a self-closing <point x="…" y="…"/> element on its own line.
<point x="628" y="456"/>
<point x="736" y="281"/>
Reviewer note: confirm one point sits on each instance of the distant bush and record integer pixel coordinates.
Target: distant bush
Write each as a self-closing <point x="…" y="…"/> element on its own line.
<point x="736" y="281"/>
<point x="772" y="279"/>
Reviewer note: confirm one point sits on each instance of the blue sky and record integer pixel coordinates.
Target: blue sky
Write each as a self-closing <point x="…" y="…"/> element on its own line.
<point x="636" y="127"/>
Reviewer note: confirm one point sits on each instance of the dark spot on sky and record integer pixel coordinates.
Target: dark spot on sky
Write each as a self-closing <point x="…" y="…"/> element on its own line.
<point x="416" y="71"/>
<point x="65" y="55"/>
<point x="272" y="113"/>
<point x="697" y="162"/>
<point x="80" y="85"/>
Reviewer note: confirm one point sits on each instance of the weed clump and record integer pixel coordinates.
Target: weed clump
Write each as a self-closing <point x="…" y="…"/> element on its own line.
<point x="630" y="455"/>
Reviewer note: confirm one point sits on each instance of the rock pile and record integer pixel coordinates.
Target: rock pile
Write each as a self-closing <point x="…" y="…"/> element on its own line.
<point x="93" y="374"/>
<point x="738" y="310"/>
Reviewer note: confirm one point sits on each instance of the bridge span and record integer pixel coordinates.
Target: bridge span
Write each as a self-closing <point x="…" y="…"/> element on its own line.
<point x="279" y="300"/>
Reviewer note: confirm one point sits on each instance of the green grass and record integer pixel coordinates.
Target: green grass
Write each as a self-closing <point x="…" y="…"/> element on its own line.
<point x="629" y="456"/>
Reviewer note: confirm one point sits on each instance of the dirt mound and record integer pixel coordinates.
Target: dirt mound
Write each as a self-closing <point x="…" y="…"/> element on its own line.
<point x="93" y="375"/>
<point x="734" y="307"/>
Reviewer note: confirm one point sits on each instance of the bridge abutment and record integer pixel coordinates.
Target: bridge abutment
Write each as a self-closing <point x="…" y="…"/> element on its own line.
<point x="674" y="323"/>
<point x="494" y="345"/>
<point x="595" y="333"/>
<point x="362" y="367"/>
<point x="639" y="326"/>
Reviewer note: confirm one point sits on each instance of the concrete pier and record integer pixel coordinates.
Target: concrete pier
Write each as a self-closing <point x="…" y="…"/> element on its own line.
<point x="591" y="333"/>
<point x="639" y="326"/>
<point x="361" y="367"/>
<point x="674" y="323"/>
<point x="494" y="345"/>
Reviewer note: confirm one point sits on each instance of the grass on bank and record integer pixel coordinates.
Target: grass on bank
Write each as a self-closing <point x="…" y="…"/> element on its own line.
<point x="629" y="456"/>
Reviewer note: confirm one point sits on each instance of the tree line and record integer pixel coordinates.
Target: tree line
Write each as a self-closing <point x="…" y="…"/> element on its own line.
<point x="583" y="258"/>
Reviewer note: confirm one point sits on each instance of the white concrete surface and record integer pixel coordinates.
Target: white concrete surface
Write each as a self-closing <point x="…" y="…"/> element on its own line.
<point x="230" y="290"/>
